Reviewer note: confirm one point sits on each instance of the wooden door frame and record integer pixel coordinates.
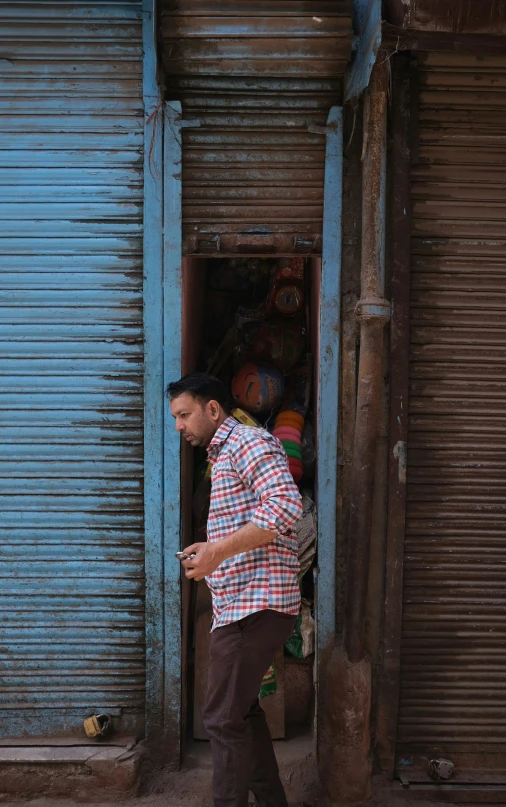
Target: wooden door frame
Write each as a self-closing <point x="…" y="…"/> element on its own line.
<point x="162" y="353"/>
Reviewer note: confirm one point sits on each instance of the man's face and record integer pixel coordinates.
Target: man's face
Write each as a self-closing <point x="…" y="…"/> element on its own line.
<point x="196" y="421"/>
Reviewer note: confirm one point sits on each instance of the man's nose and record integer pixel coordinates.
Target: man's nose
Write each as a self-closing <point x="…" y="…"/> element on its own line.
<point x="179" y="426"/>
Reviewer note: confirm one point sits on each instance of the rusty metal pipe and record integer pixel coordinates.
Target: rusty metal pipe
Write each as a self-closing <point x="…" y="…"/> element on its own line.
<point x="374" y="312"/>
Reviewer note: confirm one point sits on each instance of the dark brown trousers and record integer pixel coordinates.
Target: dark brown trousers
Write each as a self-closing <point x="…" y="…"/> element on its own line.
<point x="243" y="757"/>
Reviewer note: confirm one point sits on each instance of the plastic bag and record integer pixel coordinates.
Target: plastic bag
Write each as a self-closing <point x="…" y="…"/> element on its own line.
<point x="294" y="644"/>
<point x="269" y="683"/>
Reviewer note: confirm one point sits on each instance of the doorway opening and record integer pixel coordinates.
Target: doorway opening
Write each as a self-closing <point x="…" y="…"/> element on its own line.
<point x="253" y="321"/>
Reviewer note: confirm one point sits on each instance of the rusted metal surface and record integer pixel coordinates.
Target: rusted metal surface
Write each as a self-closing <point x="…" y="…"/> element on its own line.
<point x="395" y="11"/>
<point x="352" y="224"/>
<point x="245" y="37"/>
<point x="373" y="311"/>
<point x="71" y="361"/>
<point x="449" y="794"/>
<point x="411" y="39"/>
<point x="257" y="75"/>
<point x="454" y="16"/>
<point x="453" y="692"/>
<point x="399" y="237"/>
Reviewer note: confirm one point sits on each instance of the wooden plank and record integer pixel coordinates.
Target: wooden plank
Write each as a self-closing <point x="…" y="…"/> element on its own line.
<point x="172" y="331"/>
<point x="153" y="390"/>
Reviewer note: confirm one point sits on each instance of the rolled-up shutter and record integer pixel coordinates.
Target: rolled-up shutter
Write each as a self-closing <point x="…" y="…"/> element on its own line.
<point x="71" y="529"/>
<point x="453" y="684"/>
<point x="256" y="76"/>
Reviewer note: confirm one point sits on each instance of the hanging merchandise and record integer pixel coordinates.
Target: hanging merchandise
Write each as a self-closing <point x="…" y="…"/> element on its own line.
<point x="287" y="292"/>
<point x="298" y="388"/>
<point x="308" y="450"/>
<point x="307" y="629"/>
<point x="301" y="642"/>
<point x="225" y="277"/>
<point x="245" y="419"/>
<point x="287" y="433"/>
<point x="256" y="269"/>
<point x="256" y="337"/>
<point x="278" y="342"/>
<point x="222" y="354"/>
<point x="305" y="531"/>
<point x="288" y="300"/>
<point x="292" y="449"/>
<point x="294" y="644"/>
<point x="258" y="388"/>
<point x="247" y="323"/>
<point x="292" y="269"/>
<point x="287" y="429"/>
<point x="289" y="418"/>
<point x="296" y="469"/>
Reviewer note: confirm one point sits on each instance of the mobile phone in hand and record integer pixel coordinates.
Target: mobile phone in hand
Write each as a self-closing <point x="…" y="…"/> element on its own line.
<point x="184" y="556"/>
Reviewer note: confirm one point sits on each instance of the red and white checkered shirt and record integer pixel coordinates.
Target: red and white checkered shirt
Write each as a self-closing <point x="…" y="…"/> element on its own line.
<point x="251" y="481"/>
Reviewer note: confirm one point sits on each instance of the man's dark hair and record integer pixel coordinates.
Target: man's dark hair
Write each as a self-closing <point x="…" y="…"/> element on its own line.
<point x="202" y="387"/>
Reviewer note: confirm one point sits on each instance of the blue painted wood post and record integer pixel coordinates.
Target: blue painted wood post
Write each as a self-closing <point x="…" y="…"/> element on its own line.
<point x="172" y="324"/>
<point x="367" y="27"/>
<point x="153" y="388"/>
<point x="328" y="384"/>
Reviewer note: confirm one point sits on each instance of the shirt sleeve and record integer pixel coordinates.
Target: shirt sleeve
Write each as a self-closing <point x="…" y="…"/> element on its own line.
<point x="261" y="463"/>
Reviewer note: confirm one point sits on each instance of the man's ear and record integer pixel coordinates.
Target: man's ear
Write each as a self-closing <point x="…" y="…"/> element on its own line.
<point x="214" y="409"/>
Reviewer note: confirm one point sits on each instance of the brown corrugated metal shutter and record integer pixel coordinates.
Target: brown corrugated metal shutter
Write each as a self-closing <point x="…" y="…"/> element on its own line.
<point x="453" y="673"/>
<point x="256" y="75"/>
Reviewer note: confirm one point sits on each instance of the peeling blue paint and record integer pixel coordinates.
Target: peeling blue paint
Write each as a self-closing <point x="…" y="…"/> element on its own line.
<point x="367" y="26"/>
<point x="328" y="392"/>
<point x="172" y="334"/>
<point x="72" y="628"/>
<point x="153" y="387"/>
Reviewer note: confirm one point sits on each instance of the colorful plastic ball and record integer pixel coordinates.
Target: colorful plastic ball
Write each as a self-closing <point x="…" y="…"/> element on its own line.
<point x="258" y="388"/>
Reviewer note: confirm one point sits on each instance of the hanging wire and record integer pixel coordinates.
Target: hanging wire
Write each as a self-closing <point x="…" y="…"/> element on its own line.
<point x="153" y="118"/>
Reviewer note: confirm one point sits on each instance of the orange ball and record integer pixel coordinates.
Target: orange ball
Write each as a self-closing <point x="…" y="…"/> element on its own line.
<point x="292" y="419"/>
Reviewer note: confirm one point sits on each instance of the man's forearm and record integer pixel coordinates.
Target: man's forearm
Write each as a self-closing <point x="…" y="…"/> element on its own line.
<point x="243" y="540"/>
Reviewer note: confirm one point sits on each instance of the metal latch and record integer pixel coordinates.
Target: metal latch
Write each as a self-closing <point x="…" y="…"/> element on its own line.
<point x="303" y="244"/>
<point x="210" y="244"/>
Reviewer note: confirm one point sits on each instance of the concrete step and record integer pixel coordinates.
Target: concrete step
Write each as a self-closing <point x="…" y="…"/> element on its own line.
<point x="88" y="772"/>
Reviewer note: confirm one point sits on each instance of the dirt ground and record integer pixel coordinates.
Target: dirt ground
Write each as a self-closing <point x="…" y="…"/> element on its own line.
<point x="185" y="789"/>
<point x="191" y="787"/>
<point x="174" y="797"/>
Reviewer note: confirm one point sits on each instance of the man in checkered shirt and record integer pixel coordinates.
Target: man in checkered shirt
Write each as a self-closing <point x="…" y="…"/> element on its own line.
<point x="250" y="564"/>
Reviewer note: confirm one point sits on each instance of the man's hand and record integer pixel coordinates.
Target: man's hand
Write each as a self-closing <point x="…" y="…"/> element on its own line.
<point x="209" y="556"/>
<point x="206" y="561"/>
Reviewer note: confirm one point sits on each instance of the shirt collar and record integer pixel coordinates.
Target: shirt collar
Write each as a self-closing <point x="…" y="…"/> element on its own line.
<point x="220" y="436"/>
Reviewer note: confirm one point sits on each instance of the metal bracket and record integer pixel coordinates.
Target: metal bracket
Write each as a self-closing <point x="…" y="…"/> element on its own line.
<point x="304" y="244"/>
<point x="331" y="128"/>
<point x="373" y="308"/>
<point x="188" y="124"/>
<point x="173" y="113"/>
<point x="209" y="244"/>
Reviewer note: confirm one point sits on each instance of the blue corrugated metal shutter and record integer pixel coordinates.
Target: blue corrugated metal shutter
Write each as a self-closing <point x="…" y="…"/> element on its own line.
<point x="71" y="530"/>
